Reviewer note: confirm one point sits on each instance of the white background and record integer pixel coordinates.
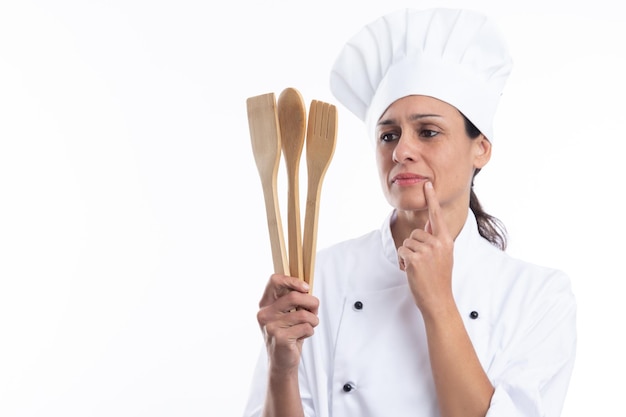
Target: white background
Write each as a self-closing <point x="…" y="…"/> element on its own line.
<point x="133" y="244"/>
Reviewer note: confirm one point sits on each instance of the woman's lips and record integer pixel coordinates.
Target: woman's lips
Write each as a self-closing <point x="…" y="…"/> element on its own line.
<point x="405" y="179"/>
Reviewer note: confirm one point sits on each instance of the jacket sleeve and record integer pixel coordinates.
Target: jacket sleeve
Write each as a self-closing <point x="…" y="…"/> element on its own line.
<point x="532" y="374"/>
<point x="258" y="387"/>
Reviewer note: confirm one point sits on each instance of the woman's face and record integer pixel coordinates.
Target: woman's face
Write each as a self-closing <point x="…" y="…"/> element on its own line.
<point x="421" y="139"/>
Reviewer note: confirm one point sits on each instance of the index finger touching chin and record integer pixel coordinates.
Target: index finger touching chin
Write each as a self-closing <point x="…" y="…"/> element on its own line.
<point x="434" y="209"/>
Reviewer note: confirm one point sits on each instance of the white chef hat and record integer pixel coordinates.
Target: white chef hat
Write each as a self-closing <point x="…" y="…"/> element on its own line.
<point x="457" y="56"/>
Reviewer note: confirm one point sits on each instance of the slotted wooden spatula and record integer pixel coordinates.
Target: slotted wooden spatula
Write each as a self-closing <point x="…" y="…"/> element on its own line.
<point x="265" y="136"/>
<point x="320" y="147"/>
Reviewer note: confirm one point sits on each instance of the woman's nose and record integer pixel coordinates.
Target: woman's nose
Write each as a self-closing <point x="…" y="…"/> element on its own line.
<point x="405" y="150"/>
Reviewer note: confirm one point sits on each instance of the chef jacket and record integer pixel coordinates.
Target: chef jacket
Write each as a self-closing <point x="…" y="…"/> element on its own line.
<point x="369" y="355"/>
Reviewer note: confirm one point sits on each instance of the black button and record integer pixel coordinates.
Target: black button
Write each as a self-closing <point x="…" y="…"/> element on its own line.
<point x="474" y="315"/>
<point x="358" y="305"/>
<point x="348" y="387"/>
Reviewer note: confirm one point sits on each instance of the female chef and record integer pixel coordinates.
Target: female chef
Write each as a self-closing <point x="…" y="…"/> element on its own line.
<point x="427" y="316"/>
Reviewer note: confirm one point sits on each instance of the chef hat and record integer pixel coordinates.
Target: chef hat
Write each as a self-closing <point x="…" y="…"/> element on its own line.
<point x="457" y="56"/>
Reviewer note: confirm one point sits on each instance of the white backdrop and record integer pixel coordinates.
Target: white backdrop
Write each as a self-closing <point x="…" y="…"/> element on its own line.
<point x="133" y="244"/>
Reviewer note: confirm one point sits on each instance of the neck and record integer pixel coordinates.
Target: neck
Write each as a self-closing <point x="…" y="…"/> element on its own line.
<point x="407" y="221"/>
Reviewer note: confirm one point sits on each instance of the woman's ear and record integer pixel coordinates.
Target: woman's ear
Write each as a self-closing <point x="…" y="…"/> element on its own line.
<point x="482" y="149"/>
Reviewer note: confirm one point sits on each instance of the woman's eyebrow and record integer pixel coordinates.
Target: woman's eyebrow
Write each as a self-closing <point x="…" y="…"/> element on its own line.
<point x="413" y="117"/>
<point x="421" y="116"/>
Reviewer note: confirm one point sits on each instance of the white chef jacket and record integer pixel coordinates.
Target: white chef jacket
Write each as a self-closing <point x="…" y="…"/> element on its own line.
<point x="369" y="356"/>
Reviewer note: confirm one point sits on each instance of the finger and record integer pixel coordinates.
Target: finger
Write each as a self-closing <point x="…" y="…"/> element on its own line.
<point x="401" y="263"/>
<point x="408" y="252"/>
<point x="301" y="316"/>
<point x="435" y="221"/>
<point x="419" y="235"/>
<point x="428" y="228"/>
<point x="299" y="301"/>
<point x="288" y="310"/>
<point x="279" y="285"/>
<point x="285" y="336"/>
<point x="401" y="258"/>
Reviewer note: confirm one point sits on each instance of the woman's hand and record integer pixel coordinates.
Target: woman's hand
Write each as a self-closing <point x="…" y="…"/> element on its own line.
<point x="427" y="257"/>
<point x="287" y="316"/>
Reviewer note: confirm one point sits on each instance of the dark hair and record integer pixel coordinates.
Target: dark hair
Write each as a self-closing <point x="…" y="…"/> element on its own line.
<point x="489" y="227"/>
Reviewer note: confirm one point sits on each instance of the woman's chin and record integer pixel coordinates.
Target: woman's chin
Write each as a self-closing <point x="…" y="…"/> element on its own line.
<point x="409" y="204"/>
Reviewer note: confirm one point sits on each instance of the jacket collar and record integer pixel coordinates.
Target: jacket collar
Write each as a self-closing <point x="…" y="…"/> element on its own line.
<point x="463" y="243"/>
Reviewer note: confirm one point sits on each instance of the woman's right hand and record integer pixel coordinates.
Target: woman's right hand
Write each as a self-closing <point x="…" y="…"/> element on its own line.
<point x="287" y="316"/>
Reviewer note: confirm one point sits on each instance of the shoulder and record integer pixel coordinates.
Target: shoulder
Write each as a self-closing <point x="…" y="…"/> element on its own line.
<point x="490" y="257"/>
<point x="495" y="270"/>
<point x="350" y="246"/>
<point x="522" y="280"/>
<point x="360" y="261"/>
<point x="349" y="254"/>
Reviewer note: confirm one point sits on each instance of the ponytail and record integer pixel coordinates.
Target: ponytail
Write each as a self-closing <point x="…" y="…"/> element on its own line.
<point x="489" y="227"/>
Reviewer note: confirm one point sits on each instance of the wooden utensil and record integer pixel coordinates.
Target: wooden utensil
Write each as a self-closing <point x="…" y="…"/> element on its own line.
<point x="265" y="136"/>
<point x="320" y="146"/>
<point x="292" y="122"/>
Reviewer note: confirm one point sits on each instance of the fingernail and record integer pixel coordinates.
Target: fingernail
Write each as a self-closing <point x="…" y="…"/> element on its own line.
<point x="306" y="286"/>
<point x="429" y="184"/>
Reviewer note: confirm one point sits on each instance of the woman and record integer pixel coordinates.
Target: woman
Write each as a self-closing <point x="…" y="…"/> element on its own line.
<point x="426" y="316"/>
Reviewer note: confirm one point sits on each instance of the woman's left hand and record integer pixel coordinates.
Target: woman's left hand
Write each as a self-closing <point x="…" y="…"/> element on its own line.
<point x="427" y="258"/>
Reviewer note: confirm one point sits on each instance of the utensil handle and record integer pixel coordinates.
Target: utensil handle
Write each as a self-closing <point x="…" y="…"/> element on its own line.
<point x="293" y="230"/>
<point x="310" y="232"/>
<point x="275" y="228"/>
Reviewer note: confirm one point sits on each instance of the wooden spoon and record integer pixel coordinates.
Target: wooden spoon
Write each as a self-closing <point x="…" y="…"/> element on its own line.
<point x="265" y="136"/>
<point x="292" y="122"/>
<point x="320" y="146"/>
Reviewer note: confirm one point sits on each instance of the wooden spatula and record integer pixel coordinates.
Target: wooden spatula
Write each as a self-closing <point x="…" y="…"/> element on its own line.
<point x="320" y="147"/>
<point x="265" y="136"/>
<point x="292" y="122"/>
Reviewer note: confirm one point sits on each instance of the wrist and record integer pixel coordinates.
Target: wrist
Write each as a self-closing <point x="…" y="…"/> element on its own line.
<point x="440" y="311"/>
<point x="283" y="374"/>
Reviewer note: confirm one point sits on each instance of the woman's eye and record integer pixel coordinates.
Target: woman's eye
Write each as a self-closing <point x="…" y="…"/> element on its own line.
<point x="427" y="133"/>
<point x="388" y="137"/>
